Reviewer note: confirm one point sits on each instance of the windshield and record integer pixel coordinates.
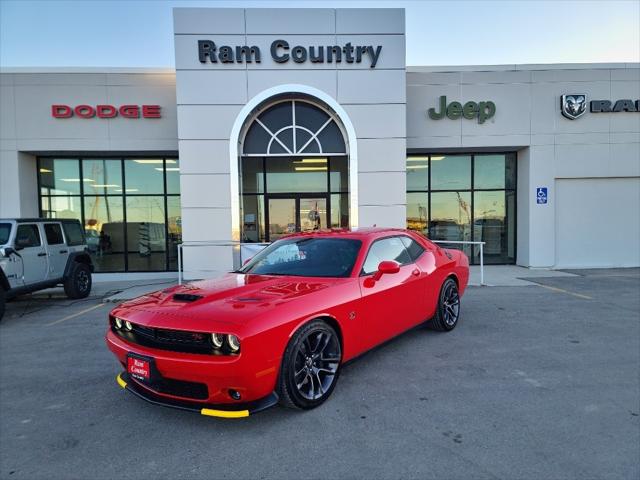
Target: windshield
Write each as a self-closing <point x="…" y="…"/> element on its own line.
<point x="5" y="231"/>
<point x="306" y="257"/>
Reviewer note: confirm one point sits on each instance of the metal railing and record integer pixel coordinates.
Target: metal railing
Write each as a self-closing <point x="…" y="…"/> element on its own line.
<point x="464" y="242"/>
<point x="240" y="245"/>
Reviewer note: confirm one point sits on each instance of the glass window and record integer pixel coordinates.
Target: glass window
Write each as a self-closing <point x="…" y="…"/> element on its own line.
<point x="252" y="175"/>
<point x="331" y="139"/>
<point x="172" y="167"/>
<point x="102" y="177"/>
<point x="310" y="116"/>
<point x="253" y="218"/>
<point x="451" y="217"/>
<point x="104" y="231"/>
<point x="256" y="140"/>
<point x="61" y="207"/>
<point x="390" y="248"/>
<point x="494" y="171"/>
<point x="5" y="231"/>
<point x="286" y="175"/>
<point x="308" y="257"/>
<point x="417" y="173"/>
<point x="28" y="236"/>
<point x="144" y="175"/>
<point x="492" y="225"/>
<point x="413" y="248"/>
<point x="339" y="176"/>
<point x="60" y="177"/>
<point x="417" y="211"/>
<point x="73" y="232"/>
<point x="340" y="210"/>
<point x="174" y="230"/>
<point x="450" y="172"/>
<point x="53" y="232"/>
<point x="146" y="245"/>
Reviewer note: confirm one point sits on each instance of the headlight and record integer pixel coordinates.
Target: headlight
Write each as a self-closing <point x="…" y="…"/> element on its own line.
<point x="234" y="343"/>
<point x="128" y="326"/>
<point x="118" y="323"/>
<point x="217" y="339"/>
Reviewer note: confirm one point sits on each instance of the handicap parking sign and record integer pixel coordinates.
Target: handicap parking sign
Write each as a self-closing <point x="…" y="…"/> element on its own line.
<point x="541" y="195"/>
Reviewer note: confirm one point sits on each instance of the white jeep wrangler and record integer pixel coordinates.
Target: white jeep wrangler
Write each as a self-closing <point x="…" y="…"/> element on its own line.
<point x="37" y="253"/>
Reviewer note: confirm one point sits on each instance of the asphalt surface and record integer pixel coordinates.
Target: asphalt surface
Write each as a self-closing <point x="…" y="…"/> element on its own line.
<point x="536" y="382"/>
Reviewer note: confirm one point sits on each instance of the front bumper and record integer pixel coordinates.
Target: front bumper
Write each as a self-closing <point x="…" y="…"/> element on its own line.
<point x="236" y="410"/>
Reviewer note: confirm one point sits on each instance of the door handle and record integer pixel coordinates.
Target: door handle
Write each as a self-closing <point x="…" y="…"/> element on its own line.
<point x="415" y="272"/>
<point x="64" y="251"/>
<point x="42" y="254"/>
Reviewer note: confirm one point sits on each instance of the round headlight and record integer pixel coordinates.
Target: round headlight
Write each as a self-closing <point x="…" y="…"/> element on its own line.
<point x="128" y="326"/>
<point x="234" y="343"/>
<point x="217" y="339"/>
<point x="118" y="323"/>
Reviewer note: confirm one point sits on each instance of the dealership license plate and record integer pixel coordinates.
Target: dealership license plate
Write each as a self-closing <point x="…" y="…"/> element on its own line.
<point x="139" y="369"/>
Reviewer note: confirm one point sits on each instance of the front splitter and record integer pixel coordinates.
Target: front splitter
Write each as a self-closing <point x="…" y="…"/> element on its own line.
<point x="236" y="410"/>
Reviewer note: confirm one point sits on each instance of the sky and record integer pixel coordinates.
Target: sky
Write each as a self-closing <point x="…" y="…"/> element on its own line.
<point x="130" y="33"/>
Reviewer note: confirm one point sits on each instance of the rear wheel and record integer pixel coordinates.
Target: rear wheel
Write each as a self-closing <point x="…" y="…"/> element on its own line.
<point x="3" y="300"/>
<point x="78" y="283"/>
<point x="448" y="311"/>
<point x="310" y="366"/>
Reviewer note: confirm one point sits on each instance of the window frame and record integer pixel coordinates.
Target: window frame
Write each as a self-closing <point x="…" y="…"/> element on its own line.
<point x="83" y="195"/>
<point x="388" y="237"/>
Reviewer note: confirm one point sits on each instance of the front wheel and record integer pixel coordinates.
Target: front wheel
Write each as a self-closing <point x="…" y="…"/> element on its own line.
<point x="78" y="283"/>
<point x="448" y="311"/>
<point x="310" y="366"/>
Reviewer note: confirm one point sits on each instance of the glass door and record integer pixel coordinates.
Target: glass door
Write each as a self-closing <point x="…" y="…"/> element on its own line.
<point x="296" y="214"/>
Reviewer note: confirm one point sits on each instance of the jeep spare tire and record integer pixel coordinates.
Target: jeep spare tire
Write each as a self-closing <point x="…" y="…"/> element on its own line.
<point x="78" y="282"/>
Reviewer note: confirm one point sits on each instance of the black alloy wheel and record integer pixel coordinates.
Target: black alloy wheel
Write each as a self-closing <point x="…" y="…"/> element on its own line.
<point x="78" y="283"/>
<point x="448" y="312"/>
<point x="310" y="367"/>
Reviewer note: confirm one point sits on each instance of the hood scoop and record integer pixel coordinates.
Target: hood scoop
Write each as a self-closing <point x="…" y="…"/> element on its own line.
<point x="186" y="297"/>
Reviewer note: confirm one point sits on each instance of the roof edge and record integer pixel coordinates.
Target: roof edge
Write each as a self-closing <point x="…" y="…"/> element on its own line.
<point x="520" y="67"/>
<point x="94" y="70"/>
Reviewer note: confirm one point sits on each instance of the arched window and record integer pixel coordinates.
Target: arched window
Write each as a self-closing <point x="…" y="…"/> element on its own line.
<point x="293" y="127"/>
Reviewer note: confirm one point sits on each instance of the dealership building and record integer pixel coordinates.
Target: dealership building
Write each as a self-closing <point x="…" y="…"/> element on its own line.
<point x="282" y="120"/>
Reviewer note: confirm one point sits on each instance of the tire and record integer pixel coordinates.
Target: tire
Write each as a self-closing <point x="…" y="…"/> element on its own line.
<point x="78" y="283"/>
<point x="310" y="366"/>
<point x="448" y="312"/>
<point x="3" y="301"/>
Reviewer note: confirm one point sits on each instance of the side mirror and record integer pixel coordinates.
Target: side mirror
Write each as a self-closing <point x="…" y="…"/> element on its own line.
<point x="246" y="261"/>
<point x="7" y="251"/>
<point x="386" y="267"/>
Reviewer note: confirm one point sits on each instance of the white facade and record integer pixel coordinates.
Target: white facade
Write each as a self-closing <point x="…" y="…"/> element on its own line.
<point x="590" y="165"/>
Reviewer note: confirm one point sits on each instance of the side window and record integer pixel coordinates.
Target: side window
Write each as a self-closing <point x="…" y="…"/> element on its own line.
<point x="73" y="231"/>
<point x="27" y="236"/>
<point x="53" y="232"/>
<point x="390" y="248"/>
<point x="413" y="247"/>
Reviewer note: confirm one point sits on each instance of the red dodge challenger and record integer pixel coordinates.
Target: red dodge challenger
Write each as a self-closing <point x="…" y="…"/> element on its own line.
<point x="279" y="329"/>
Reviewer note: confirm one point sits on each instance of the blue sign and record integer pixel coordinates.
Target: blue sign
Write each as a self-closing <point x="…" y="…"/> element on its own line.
<point x="542" y="195"/>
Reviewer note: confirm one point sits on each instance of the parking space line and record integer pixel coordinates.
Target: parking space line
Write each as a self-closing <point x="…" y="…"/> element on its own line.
<point x="69" y="317"/>
<point x="561" y="290"/>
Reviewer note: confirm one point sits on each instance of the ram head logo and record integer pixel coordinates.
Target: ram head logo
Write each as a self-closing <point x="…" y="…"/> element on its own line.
<point x="574" y="105"/>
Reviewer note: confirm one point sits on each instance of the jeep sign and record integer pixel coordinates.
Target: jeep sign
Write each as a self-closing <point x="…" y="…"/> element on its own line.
<point x="480" y="110"/>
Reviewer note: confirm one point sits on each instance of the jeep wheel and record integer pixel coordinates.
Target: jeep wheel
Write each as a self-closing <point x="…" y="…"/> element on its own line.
<point x="3" y="300"/>
<point x="78" y="283"/>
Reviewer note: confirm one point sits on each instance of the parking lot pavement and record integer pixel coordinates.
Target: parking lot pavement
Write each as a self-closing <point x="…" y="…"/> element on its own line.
<point x="537" y="382"/>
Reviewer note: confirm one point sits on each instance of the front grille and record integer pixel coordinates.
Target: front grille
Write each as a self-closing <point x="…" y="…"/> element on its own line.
<point x="164" y="339"/>
<point x="180" y="388"/>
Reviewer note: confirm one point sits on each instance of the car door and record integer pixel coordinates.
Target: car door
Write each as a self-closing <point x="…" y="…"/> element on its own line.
<point x="389" y="303"/>
<point x="57" y="249"/>
<point x="33" y="255"/>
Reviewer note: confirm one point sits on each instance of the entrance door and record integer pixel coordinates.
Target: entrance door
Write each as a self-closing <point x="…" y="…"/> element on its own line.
<point x="296" y="214"/>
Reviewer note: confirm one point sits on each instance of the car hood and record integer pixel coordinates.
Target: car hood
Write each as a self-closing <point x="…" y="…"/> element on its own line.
<point x="234" y="299"/>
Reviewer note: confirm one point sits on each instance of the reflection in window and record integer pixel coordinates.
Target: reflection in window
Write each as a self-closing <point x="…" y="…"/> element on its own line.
<point x="340" y="210"/>
<point x="442" y="195"/>
<point x="112" y="190"/>
<point x="287" y="175"/>
<point x="104" y="231"/>
<point x="450" y="172"/>
<point x="146" y="241"/>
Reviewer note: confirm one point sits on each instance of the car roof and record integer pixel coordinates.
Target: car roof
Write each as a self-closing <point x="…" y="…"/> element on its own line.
<point x="356" y="232"/>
